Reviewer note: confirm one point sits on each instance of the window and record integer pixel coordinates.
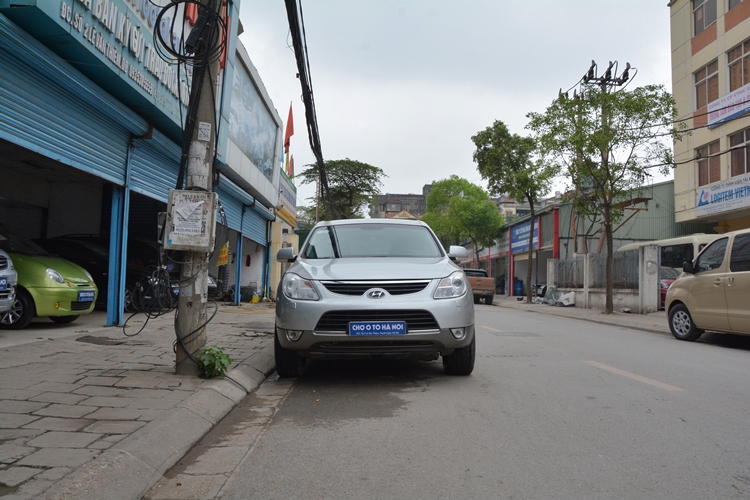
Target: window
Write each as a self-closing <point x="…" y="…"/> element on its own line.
<point x="734" y="3"/>
<point x="706" y="84"/>
<point x="675" y="255"/>
<point x="738" y="60"/>
<point x="740" y="260"/>
<point x="712" y="257"/>
<point x="740" y="155"/>
<point x="704" y="14"/>
<point x="709" y="167"/>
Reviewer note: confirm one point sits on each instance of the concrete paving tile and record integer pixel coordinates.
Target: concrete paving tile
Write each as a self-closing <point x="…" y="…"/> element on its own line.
<point x="10" y="453"/>
<point x="56" y="439"/>
<point x="59" y="424"/>
<point x="106" y="381"/>
<point x="110" y="402"/>
<point x="115" y="426"/>
<point x="14" y="420"/>
<point x="54" y="387"/>
<point x="55" y="473"/>
<point x="14" y="476"/>
<point x="97" y="390"/>
<point x="140" y="380"/>
<point x="18" y="394"/>
<point x="33" y="488"/>
<point x="59" y="397"/>
<point x="152" y="403"/>
<point x="149" y="415"/>
<point x="115" y="414"/>
<point x="9" y="434"/>
<point x="20" y="406"/>
<point x="59" y="457"/>
<point x="175" y="395"/>
<point x="68" y="411"/>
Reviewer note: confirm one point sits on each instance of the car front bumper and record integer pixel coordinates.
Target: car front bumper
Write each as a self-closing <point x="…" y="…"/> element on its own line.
<point x="426" y="338"/>
<point x="60" y="301"/>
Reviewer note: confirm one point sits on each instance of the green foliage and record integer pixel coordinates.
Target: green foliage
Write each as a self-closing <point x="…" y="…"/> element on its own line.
<point x="607" y="142"/>
<point x="214" y="362"/>
<point x="458" y="210"/>
<point x="507" y="161"/>
<point x="351" y="187"/>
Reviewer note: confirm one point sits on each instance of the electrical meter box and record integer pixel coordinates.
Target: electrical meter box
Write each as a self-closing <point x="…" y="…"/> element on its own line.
<point x="191" y="220"/>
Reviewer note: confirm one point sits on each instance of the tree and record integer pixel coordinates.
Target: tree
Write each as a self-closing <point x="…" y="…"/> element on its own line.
<point x="351" y="187"/>
<point x="508" y="162"/>
<point x="458" y="210"/>
<point x="606" y="141"/>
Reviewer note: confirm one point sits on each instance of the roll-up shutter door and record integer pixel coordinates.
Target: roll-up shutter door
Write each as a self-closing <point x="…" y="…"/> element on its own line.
<point x="233" y="199"/>
<point x="154" y="166"/>
<point x="50" y="108"/>
<point x="254" y="227"/>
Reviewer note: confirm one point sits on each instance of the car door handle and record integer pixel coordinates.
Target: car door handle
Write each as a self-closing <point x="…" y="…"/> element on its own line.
<point x="717" y="282"/>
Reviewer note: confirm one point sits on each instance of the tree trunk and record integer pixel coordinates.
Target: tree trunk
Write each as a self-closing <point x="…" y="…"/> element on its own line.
<point x="609" y="307"/>
<point x="531" y="251"/>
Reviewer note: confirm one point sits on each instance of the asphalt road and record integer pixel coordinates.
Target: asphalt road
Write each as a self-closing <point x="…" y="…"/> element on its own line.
<point x="556" y="408"/>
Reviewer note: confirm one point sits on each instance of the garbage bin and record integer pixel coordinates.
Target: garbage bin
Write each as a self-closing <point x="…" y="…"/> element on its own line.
<point x="518" y="288"/>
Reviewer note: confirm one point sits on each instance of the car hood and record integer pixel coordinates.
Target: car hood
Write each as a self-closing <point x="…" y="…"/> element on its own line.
<point x="379" y="268"/>
<point x="36" y="265"/>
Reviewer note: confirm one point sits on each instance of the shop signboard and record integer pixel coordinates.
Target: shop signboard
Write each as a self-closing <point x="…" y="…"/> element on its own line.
<point x="728" y="107"/>
<point x="719" y="197"/>
<point x="521" y="237"/>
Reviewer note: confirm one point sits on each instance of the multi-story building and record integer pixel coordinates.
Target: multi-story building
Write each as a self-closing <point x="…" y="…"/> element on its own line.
<point x="390" y="204"/>
<point x="711" y="84"/>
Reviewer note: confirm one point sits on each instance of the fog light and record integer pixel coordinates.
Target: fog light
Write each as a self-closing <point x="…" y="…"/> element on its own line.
<point x="458" y="333"/>
<point x="293" y="335"/>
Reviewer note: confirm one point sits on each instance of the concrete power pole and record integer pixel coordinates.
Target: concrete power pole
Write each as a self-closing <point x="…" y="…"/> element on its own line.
<point x="192" y="302"/>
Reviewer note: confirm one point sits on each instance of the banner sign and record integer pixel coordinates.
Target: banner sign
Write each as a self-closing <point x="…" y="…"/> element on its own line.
<point x="731" y="194"/>
<point x="521" y="237"/>
<point x="731" y="106"/>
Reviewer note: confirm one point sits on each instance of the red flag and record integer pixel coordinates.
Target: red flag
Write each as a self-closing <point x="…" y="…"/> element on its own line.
<point x="289" y="129"/>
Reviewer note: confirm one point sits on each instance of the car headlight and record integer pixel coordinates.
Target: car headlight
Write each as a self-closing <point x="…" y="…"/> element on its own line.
<point x="452" y="286"/>
<point x="54" y="275"/>
<point x="88" y="275"/>
<point x="297" y="288"/>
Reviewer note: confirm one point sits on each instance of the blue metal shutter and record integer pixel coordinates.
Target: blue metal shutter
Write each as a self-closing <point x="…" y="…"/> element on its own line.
<point x="154" y="165"/>
<point x="233" y="198"/>
<point x="49" y="107"/>
<point x="254" y="227"/>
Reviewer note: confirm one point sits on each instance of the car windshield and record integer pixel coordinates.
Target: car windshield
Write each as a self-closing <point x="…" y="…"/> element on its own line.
<point x="371" y="240"/>
<point x="13" y="243"/>
<point x="474" y="273"/>
<point x="670" y="273"/>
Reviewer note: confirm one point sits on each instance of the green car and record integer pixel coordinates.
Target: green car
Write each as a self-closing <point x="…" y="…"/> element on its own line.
<point x="47" y="285"/>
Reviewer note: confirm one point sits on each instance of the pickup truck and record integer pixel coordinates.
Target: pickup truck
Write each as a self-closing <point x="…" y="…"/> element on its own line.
<point x="482" y="286"/>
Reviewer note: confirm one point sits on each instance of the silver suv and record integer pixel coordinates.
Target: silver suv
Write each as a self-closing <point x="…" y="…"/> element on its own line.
<point x="374" y="288"/>
<point x="8" y="281"/>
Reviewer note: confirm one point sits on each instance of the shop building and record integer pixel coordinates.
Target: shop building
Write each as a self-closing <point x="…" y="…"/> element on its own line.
<point x="711" y="84"/>
<point x="91" y="125"/>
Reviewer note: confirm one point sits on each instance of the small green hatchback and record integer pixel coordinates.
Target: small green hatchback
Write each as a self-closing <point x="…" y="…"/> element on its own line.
<point x="47" y="286"/>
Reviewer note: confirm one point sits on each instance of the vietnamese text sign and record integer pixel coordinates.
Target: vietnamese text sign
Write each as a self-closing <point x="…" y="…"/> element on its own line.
<point x="731" y="194"/>
<point x="521" y="237"/>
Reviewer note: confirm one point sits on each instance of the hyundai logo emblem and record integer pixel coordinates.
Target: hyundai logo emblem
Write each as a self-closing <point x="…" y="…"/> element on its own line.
<point x="376" y="294"/>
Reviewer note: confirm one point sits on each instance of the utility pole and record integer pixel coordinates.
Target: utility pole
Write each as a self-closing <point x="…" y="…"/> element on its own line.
<point x="192" y="302"/>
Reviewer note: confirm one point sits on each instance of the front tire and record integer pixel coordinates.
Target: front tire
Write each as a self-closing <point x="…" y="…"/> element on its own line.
<point x="461" y="362"/>
<point x="681" y="324"/>
<point x="288" y="362"/>
<point x="21" y="312"/>
<point x="61" y="320"/>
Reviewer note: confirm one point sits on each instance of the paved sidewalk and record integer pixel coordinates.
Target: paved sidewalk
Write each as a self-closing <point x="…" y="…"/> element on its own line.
<point x="655" y="322"/>
<point x="90" y="413"/>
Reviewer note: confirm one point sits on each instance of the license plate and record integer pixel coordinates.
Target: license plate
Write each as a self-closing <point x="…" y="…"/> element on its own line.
<point x="85" y="296"/>
<point x="3" y="283"/>
<point x="365" y="328"/>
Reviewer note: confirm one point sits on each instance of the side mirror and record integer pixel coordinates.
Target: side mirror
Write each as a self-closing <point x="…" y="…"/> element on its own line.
<point x="285" y="254"/>
<point x="457" y="252"/>
<point x="687" y="267"/>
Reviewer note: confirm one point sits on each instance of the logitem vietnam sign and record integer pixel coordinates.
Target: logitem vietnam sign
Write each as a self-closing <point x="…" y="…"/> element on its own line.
<point x="521" y="237"/>
<point x="731" y="106"/>
<point x="731" y="194"/>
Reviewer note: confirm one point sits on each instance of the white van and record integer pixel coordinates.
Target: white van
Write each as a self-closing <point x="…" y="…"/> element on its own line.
<point x="675" y="251"/>
<point x="713" y="292"/>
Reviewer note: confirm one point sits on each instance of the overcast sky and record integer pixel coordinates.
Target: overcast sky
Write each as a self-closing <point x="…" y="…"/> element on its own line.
<point x="404" y="84"/>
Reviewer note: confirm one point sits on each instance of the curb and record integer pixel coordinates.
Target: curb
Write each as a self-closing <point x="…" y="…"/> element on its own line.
<point x="130" y="468"/>
<point x="590" y="320"/>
